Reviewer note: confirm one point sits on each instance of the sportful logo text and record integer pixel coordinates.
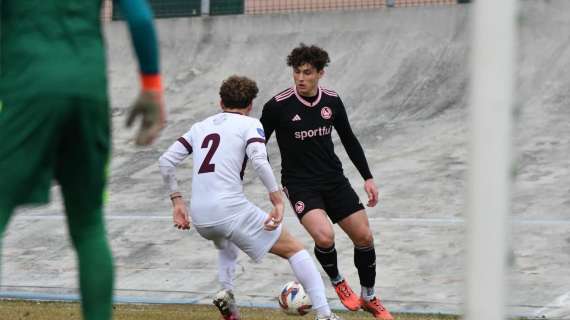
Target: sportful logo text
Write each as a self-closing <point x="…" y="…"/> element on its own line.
<point x="322" y="131"/>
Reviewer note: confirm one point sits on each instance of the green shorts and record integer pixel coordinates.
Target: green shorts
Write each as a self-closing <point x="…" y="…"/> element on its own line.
<point x="53" y="137"/>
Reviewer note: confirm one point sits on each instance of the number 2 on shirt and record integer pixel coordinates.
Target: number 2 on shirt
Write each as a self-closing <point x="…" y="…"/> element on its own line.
<point x="206" y="165"/>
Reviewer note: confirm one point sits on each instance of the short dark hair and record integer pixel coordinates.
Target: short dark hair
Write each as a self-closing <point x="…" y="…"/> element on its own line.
<point x="313" y="55"/>
<point x="238" y="92"/>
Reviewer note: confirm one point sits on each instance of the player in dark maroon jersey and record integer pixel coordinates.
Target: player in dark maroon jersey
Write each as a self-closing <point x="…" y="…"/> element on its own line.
<point x="302" y="118"/>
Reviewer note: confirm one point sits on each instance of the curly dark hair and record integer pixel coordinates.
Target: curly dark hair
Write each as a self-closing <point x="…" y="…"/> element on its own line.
<point x="313" y="55"/>
<point x="238" y="92"/>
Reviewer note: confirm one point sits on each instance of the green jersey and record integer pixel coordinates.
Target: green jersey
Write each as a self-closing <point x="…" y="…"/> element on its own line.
<point x="53" y="46"/>
<point x="54" y="112"/>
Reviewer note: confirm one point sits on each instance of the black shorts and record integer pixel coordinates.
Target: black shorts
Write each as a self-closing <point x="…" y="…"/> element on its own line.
<point x="338" y="200"/>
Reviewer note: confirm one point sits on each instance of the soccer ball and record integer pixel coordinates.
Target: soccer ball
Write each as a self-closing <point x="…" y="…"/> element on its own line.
<point x="293" y="299"/>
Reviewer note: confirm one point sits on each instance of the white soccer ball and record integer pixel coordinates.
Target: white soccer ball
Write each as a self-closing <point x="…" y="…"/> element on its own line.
<point x="293" y="299"/>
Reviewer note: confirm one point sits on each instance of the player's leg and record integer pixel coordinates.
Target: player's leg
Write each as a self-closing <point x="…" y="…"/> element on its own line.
<point x="80" y="169"/>
<point x="87" y="233"/>
<point x="356" y="225"/>
<point x="309" y="207"/>
<point x="249" y="235"/>
<point x="227" y="259"/>
<point x="319" y="227"/>
<point x="28" y="127"/>
<point x="5" y="213"/>
<point x="357" y="228"/>
<point x="305" y="271"/>
<point x="227" y="252"/>
<point x="224" y="299"/>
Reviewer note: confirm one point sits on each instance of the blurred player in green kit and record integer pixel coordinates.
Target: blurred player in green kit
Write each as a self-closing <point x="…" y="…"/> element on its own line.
<point x="55" y="120"/>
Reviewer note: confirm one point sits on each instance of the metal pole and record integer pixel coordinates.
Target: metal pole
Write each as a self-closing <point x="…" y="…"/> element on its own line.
<point x="205" y="9"/>
<point x="488" y="203"/>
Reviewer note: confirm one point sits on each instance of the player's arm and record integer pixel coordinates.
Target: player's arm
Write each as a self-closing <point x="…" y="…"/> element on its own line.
<point x="168" y="162"/>
<point x="269" y="119"/>
<point x="257" y="153"/>
<point x="355" y="153"/>
<point x="149" y="105"/>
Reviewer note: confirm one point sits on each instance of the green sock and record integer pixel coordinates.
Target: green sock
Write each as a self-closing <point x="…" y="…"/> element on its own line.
<point x="5" y="214"/>
<point x="95" y="262"/>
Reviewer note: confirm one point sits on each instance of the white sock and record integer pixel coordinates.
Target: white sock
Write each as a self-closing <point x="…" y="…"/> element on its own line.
<point x="367" y="293"/>
<point x="306" y="272"/>
<point x="227" y="260"/>
<point x="337" y="280"/>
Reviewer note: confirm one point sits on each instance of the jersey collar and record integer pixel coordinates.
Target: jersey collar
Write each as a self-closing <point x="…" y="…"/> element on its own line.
<point x="233" y="112"/>
<point x="305" y="102"/>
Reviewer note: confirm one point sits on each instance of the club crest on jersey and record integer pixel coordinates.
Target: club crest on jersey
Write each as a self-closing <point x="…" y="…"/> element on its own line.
<point x="261" y="132"/>
<point x="299" y="207"/>
<point x="326" y="113"/>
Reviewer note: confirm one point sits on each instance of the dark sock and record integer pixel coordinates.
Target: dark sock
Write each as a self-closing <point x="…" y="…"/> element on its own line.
<point x="327" y="259"/>
<point x="365" y="262"/>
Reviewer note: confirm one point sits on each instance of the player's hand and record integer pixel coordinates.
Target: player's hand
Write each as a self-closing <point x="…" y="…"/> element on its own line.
<point x="275" y="218"/>
<point x="276" y="215"/>
<point x="372" y="191"/>
<point x="150" y="107"/>
<point x="180" y="215"/>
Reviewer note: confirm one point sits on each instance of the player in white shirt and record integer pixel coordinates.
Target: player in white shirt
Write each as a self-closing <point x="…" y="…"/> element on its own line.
<point x="220" y="212"/>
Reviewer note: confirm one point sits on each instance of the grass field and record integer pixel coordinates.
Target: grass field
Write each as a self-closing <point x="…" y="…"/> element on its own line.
<point x="32" y="310"/>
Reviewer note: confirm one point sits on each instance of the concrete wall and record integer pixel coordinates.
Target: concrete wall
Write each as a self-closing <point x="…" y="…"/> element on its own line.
<point x="403" y="75"/>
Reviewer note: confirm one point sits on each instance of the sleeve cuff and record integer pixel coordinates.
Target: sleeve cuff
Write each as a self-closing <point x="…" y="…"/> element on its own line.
<point x="151" y="82"/>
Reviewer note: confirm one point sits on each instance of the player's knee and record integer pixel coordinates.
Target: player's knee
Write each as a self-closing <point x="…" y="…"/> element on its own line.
<point x="324" y="240"/>
<point x="289" y="249"/>
<point x="292" y="244"/>
<point x="295" y="247"/>
<point x="287" y="246"/>
<point x="364" y="240"/>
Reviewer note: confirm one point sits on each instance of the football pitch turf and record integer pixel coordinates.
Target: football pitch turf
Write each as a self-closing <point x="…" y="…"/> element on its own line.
<point x="34" y="310"/>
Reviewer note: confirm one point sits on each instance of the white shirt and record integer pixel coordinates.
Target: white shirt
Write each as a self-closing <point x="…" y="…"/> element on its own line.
<point x="219" y="145"/>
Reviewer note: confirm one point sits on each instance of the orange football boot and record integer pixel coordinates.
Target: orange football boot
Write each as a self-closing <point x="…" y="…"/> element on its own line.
<point x="375" y="307"/>
<point x="347" y="297"/>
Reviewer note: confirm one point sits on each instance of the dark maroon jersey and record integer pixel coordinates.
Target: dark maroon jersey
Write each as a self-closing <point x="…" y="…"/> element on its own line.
<point x="303" y="127"/>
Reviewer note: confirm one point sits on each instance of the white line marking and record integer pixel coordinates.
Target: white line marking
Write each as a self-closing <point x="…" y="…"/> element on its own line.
<point x="401" y="221"/>
<point x="557" y="309"/>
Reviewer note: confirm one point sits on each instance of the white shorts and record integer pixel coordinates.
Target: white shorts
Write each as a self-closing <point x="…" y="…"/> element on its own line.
<point x="246" y="232"/>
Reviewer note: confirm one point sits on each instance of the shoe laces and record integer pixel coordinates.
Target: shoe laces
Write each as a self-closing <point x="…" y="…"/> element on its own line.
<point x="376" y="302"/>
<point x="343" y="288"/>
<point x="332" y="316"/>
